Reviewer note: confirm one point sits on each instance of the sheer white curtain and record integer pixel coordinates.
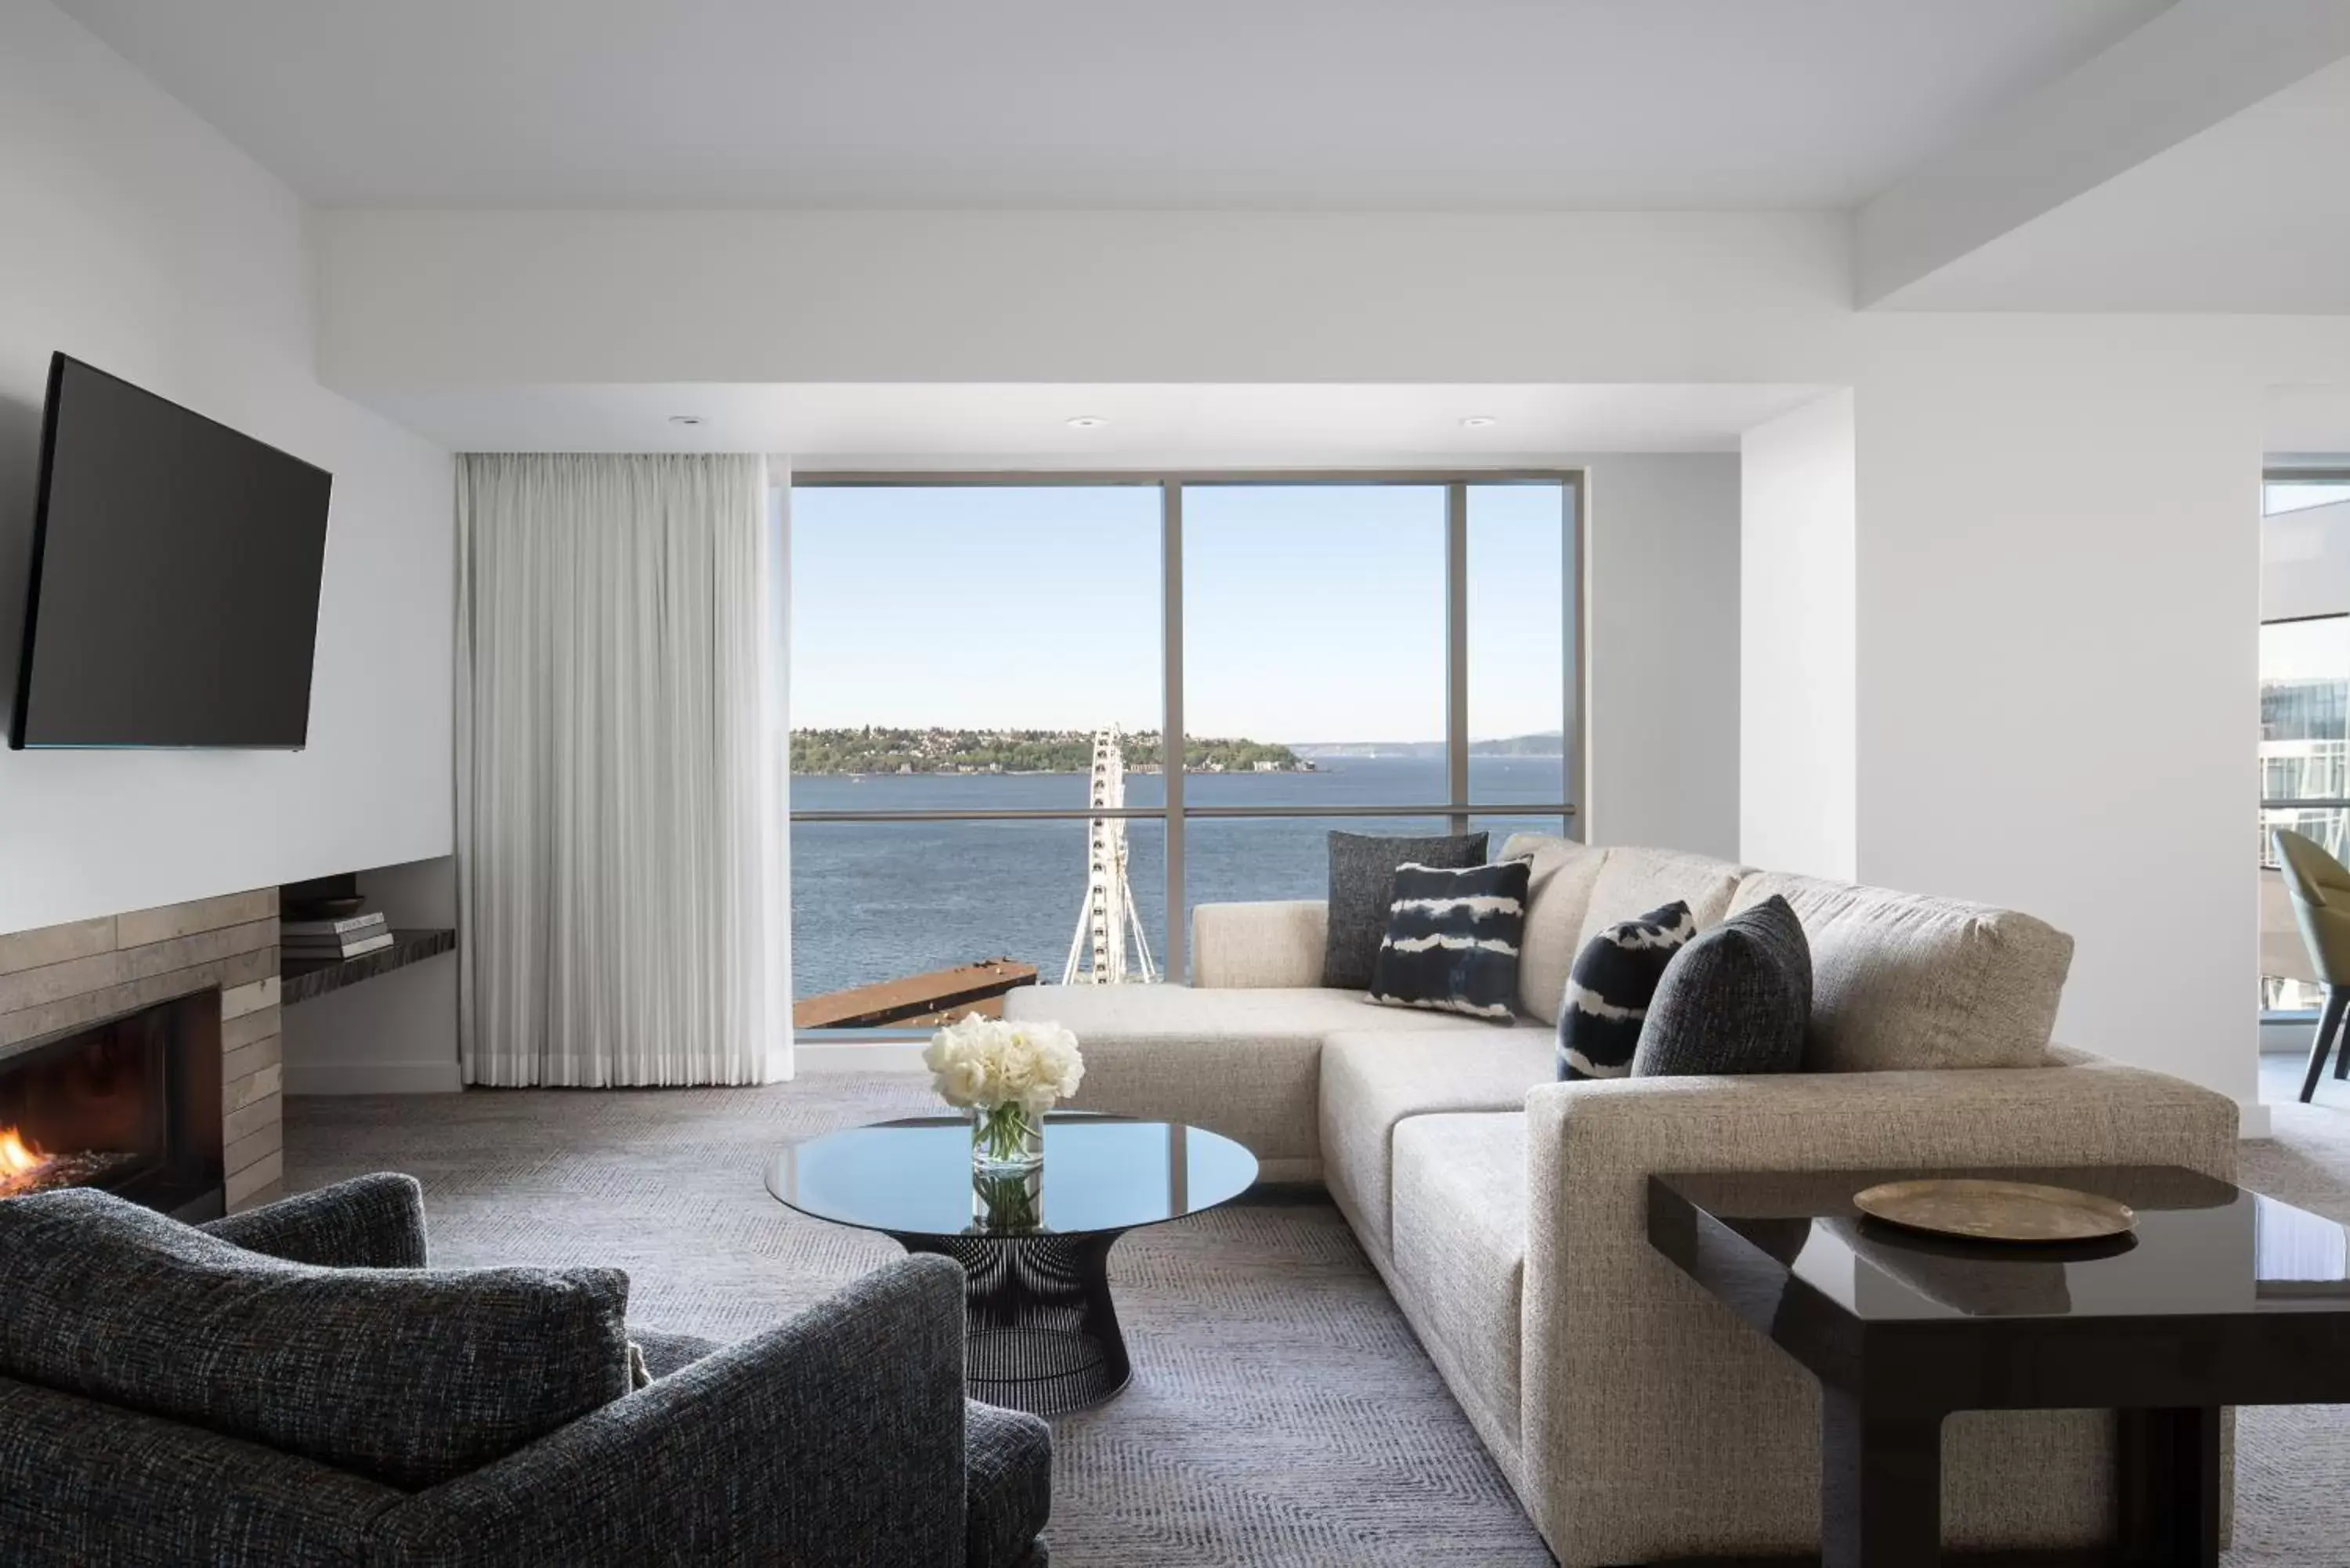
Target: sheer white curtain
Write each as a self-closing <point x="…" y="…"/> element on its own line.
<point x="618" y="829"/>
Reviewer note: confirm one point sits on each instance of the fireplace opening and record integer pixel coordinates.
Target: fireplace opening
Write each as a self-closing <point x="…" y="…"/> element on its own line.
<point x="131" y="1104"/>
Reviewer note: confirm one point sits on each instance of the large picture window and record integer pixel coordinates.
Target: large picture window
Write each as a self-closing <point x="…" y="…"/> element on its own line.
<point x="982" y="674"/>
<point x="2305" y="746"/>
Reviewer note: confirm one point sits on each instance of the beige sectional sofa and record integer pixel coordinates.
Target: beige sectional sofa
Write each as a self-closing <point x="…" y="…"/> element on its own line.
<point x="1506" y="1213"/>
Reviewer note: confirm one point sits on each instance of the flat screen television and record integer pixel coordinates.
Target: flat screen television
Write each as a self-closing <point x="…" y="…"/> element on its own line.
<point x="173" y="588"/>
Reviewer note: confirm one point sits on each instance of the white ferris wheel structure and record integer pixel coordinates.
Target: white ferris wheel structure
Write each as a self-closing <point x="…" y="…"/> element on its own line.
<point x="1108" y="922"/>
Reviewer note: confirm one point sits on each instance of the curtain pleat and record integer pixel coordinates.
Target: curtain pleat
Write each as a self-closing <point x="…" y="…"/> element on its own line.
<point x="619" y="919"/>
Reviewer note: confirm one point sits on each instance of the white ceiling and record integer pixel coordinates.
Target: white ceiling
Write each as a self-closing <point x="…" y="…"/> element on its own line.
<point x="2251" y="215"/>
<point x="1661" y="103"/>
<point x="839" y="427"/>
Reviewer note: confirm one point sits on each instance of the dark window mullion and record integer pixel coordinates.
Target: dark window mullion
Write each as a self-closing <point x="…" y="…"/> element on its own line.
<point x="1456" y="653"/>
<point x="1572" y="647"/>
<point x="1170" y="722"/>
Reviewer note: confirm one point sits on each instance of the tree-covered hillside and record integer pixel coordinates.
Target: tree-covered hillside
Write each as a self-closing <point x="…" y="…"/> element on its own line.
<point x="878" y="749"/>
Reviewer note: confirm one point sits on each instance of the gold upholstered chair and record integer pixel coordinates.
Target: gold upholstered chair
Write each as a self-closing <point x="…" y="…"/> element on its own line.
<point x="2320" y="889"/>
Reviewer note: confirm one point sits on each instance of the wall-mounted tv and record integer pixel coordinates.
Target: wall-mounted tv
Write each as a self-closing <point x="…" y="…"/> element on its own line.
<point x="173" y="588"/>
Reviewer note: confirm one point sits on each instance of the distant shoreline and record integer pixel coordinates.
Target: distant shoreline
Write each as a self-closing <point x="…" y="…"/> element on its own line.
<point x="875" y="751"/>
<point x="1152" y="770"/>
<point x="879" y="751"/>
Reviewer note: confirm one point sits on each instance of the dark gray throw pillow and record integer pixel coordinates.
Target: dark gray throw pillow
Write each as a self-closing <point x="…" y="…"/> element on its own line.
<point x="1736" y="999"/>
<point x="1609" y="988"/>
<point x="1362" y="889"/>
<point x="408" y="1376"/>
<point x="1452" y="939"/>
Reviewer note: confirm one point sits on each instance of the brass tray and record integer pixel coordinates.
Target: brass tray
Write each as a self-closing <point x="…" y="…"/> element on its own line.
<point x="1997" y="1210"/>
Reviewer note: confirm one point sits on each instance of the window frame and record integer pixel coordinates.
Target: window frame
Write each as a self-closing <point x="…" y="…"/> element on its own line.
<point x="1458" y="806"/>
<point x="2289" y="474"/>
<point x="2322" y="475"/>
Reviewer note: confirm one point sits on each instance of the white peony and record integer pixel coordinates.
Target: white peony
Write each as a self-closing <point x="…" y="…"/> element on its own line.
<point x="984" y="1062"/>
<point x="965" y="1082"/>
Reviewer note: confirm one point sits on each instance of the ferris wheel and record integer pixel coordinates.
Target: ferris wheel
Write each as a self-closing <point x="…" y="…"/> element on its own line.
<point x="1107" y="919"/>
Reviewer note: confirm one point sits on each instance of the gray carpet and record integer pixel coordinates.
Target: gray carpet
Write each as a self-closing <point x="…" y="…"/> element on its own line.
<point x="1282" y="1413"/>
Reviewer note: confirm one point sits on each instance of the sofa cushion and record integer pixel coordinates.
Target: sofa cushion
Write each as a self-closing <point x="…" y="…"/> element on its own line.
<point x="1008" y="1486"/>
<point x="1362" y="889"/>
<point x="1105" y="1013"/>
<point x="1277" y="942"/>
<point x="1903" y="980"/>
<point x="1459" y="1246"/>
<point x="1607" y="996"/>
<point x="1558" y="889"/>
<point x="1372" y="1080"/>
<point x="1738" y="999"/>
<point x="1451" y="941"/>
<point x="408" y="1376"/>
<point x="1633" y="880"/>
<point x="1247" y="1064"/>
<point x="374" y="1221"/>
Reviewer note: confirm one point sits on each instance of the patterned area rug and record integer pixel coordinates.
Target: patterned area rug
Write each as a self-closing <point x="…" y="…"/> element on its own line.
<point x="1282" y="1416"/>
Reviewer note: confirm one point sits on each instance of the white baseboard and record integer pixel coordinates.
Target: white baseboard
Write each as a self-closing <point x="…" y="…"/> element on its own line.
<point x="445" y="1078"/>
<point x="880" y="1056"/>
<point x="373" y="1078"/>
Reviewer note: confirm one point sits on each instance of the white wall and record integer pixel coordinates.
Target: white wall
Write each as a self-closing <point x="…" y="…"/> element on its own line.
<point x="2058" y="614"/>
<point x="1662" y="568"/>
<point x="139" y="240"/>
<point x="396" y="1033"/>
<point x="1798" y="772"/>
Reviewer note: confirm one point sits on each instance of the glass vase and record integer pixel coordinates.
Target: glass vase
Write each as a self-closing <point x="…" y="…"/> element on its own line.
<point x="1006" y="1139"/>
<point x="1007" y="1201"/>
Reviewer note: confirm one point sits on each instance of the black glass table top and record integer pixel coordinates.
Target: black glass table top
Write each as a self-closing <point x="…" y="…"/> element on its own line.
<point x="1101" y="1173"/>
<point x="2202" y="1248"/>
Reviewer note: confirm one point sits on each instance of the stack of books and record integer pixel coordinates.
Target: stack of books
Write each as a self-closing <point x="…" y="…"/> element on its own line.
<point x="331" y="942"/>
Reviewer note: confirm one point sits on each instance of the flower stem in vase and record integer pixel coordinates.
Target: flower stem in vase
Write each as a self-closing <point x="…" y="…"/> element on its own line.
<point x="1005" y="1138"/>
<point x="1007" y="1199"/>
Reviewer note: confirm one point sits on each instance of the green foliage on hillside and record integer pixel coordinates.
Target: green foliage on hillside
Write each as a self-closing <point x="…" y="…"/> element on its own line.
<point x="878" y="749"/>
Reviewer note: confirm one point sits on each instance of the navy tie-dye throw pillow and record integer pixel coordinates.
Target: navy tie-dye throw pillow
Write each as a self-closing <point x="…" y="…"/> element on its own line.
<point x="1452" y="939"/>
<point x="1609" y="989"/>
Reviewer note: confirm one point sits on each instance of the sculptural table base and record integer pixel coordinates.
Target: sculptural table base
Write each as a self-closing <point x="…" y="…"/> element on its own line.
<point x="1042" y="1336"/>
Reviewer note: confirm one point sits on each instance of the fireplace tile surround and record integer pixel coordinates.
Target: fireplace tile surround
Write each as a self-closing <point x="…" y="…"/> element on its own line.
<point x="57" y="977"/>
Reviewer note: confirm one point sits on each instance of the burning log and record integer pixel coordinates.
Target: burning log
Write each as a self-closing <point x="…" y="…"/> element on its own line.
<point x="24" y="1169"/>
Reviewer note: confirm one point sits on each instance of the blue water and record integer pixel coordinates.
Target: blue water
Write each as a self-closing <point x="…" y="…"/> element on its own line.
<point x="873" y="901"/>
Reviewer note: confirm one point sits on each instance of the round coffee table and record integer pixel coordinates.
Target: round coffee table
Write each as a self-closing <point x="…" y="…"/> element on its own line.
<point x="1042" y="1334"/>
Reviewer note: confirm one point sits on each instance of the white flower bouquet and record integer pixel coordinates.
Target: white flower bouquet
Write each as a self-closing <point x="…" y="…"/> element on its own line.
<point x="1007" y="1076"/>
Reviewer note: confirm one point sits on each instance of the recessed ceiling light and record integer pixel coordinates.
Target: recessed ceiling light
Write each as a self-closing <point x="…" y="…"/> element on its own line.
<point x="1087" y="422"/>
<point x="685" y="419"/>
<point x="1479" y="422"/>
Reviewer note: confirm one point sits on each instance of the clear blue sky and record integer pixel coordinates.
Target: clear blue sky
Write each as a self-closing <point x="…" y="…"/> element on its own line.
<point x="1312" y="612"/>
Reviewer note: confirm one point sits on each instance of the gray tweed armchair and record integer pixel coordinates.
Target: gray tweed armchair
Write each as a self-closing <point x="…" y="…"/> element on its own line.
<point x="166" y="1395"/>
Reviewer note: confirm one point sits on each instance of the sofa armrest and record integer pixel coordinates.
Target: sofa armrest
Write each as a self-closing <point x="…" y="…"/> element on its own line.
<point x="838" y="1437"/>
<point x="1259" y="945"/>
<point x="1637" y="1386"/>
<point x="367" y="1222"/>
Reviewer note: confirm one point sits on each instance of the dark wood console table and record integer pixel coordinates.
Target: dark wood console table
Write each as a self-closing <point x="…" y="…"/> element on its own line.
<point x="2222" y="1297"/>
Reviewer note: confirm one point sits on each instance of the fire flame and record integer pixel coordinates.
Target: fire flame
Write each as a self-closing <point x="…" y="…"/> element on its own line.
<point x="18" y="1158"/>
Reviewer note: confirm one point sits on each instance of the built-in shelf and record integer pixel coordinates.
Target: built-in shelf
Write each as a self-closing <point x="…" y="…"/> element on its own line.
<point x="301" y="982"/>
